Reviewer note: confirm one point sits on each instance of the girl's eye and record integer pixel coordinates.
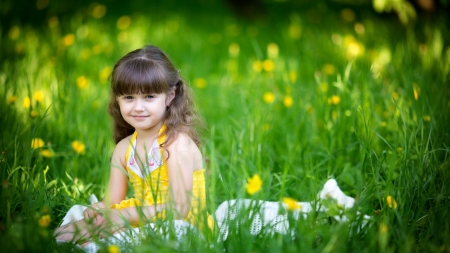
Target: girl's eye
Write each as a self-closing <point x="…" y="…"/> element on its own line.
<point x="149" y="96"/>
<point x="127" y="97"/>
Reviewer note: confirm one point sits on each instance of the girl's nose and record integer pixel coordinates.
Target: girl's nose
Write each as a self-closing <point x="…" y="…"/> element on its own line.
<point x="139" y="105"/>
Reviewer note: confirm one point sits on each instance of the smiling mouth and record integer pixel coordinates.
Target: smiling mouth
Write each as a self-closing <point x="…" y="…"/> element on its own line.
<point x="140" y="117"/>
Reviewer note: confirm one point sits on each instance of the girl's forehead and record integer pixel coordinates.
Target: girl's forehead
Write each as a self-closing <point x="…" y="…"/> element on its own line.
<point x="139" y="93"/>
<point x="139" y="88"/>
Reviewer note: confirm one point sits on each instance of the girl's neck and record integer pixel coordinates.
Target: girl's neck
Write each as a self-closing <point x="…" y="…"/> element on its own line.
<point x="149" y="134"/>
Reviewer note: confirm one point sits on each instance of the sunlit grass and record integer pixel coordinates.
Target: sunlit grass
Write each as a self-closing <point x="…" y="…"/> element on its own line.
<point x="288" y="105"/>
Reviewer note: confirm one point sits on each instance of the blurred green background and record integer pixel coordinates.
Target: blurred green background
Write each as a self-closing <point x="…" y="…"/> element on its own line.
<point x="294" y="91"/>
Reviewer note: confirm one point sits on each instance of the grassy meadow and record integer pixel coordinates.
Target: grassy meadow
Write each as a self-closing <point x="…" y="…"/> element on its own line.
<point x="298" y="94"/>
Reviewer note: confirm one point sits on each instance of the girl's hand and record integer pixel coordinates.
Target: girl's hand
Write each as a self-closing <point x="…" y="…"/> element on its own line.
<point x="110" y="221"/>
<point x="93" y="211"/>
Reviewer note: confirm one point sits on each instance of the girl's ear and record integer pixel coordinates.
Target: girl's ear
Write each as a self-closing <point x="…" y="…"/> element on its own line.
<point x="170" y="97"/>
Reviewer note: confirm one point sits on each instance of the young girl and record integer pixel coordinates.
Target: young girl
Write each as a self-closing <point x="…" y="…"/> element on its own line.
<point x="157" y="151"/>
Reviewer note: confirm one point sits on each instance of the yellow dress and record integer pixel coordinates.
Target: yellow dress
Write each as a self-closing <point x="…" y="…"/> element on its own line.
<point x="152" y="187"/>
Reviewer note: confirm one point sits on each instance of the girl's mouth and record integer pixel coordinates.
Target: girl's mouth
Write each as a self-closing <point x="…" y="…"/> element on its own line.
<point x="140" y="117"/>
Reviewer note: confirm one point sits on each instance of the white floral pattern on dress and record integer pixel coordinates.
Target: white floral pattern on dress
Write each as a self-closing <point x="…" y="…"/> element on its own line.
<point x="154" y="160"/>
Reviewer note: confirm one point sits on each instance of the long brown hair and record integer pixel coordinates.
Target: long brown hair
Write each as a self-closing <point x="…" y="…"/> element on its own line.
<point x="148" y="70"/>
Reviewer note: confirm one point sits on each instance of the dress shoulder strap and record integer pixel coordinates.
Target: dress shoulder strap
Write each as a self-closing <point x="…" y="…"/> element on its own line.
<point x="161" y="137"/>
<point x="130" y="147"/>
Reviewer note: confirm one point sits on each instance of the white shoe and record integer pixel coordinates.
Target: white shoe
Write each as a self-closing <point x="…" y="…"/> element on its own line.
<point x="332" y="190"/>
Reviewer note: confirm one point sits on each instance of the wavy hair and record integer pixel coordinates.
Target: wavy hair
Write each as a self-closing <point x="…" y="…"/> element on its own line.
<point x="148" y="70"/>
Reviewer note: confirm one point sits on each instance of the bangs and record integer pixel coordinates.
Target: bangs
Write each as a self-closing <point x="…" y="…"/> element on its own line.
<point x="139" y="76"/>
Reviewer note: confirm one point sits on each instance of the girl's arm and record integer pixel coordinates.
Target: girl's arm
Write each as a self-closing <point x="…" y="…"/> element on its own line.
<point x="118" y="179"/>
<point x="117" y="185"/>
<point x="113" y="220"/>
<point x="184" y="157"/>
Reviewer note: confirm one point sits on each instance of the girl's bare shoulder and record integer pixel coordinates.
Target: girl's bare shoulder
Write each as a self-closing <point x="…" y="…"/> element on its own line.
<point x="183" y="149"/>
<point x="124" y="143"/>
<point x="184" y="143"/>
<point x="121" y="148"/>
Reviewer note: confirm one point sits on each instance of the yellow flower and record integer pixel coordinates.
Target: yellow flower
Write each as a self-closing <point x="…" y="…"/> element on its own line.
<point x="123" y="22"/>
<point x="291" y="204"/>
<point x="268" y="65"/>
<point x="233" y="49"/>
<point x="383" y="235"/>
<point x="416" y="91"/>
<point x="79" y="147"/>
<point x="200" y="83"/>
<point x="99" y="48"/>
<point x="288" y="89"/>
<point x="334" y="100"/>
<point x="232" y="65"/>
<point x="295" y="31"/>
<point x="254" y="184"/>
<point x="82" y="31"/>
<point x="348" y="14"/>
<point x="37" y="143"/>
<point x="395" y="95"/>
<point x="104" y="74"/>
<point x="95" y="105"/>
<point x="68" y="40"/>
<point x="26" y="102"/>
<point x="11" y="99"/>
<point x="288" y="101"/>
<point x="384" y="228"/>
<point x="38" y="96"/>
<point x="427" y="118"/>
<point x="354" y="49"/>
<point x="269" y="97"/>
<point x="391" y="202"/>
<point x="19" y="48"/>
<point x="53" y="21"/>
<point x="329" y="69"/>
<point x="45" y="209"/>
<point x="336" y="39"/>
<point x="45" y="220"/>
<point x="33" y="113"/>
<point x="14" y="32"/>
<point x="292" y="76"/>
<point x="47" y="153"/>
<point x="324" y="87"/>
<point x="98" y="10"/>
<point x="122" y="37"/>
<point x="113" y="249"/>
<point x="272" y="50"/>
<point x="85" y="53"/>
<point x="257" y="66"/>
<point x="380" y="60"/>
<point x="334" y="114"/>
<point x="82" y="82"/>
<point x="359" y="28"/>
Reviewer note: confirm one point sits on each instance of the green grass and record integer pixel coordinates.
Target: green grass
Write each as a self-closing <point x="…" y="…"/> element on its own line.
<point x="387" y="135"/>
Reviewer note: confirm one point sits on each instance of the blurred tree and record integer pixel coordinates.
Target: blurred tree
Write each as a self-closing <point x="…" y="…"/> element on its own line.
<point x="404" y="9"/>
<point x="426" y="5"/>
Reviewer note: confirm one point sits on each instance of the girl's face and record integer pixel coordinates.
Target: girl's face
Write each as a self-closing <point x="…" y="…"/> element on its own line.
<point x="145" y="111"/>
